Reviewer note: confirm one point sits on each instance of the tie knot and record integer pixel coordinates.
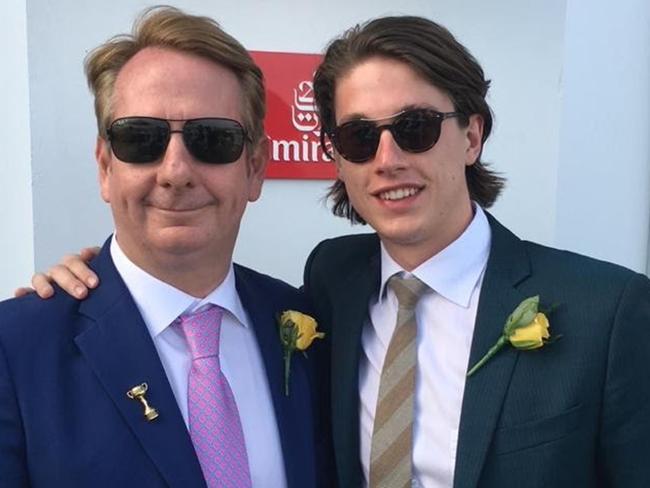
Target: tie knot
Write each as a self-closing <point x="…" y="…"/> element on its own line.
<point x="201" y="331"/>
<point x="407" y="290"/>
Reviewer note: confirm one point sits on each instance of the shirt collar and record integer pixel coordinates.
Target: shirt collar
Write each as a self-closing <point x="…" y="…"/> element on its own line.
<point x="454" y="271"/>
<point x="160" y="304"/>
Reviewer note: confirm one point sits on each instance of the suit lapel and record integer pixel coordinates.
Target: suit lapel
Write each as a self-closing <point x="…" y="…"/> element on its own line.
<point x="485" y="391"/>
<point x="294" y="423"/>
<point x="119" y="350"/>
<point x="350" y="314"/>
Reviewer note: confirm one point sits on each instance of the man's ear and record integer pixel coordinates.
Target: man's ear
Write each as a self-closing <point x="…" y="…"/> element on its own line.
<point x="337" y="159"/>
<point x="474" y="134"/>
<point x="257" y="161"/>
<point x="340" y="172"/>
<point x="103" y="158"/>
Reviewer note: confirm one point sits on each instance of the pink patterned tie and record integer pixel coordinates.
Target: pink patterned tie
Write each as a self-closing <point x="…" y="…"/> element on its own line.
<point x="215" y="427"/>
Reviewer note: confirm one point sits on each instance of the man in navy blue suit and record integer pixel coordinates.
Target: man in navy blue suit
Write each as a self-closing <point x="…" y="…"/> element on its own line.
<point x="106" y="392"/>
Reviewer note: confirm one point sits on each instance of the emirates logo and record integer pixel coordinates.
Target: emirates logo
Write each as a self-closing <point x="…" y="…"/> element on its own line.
<point x="292" y="123"/>
<point x="303" y="110"/>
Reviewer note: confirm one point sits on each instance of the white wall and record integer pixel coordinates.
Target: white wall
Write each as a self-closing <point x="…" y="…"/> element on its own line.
<point x="604" y="179"/>
<point x="16" y="225"/>
<point x="544" y="75"/>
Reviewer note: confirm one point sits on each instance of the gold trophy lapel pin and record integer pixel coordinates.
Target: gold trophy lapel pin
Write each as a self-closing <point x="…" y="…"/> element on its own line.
<point x="137" y="393"/>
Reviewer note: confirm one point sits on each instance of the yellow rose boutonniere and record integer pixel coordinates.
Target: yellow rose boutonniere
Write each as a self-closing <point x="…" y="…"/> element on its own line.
<point x="525" y="329"/>
<point x="297" y="332"/>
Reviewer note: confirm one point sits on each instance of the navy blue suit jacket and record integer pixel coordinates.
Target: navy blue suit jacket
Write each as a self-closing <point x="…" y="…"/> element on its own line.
<point x="65" y="368"/>
<point x="575" y="413"/>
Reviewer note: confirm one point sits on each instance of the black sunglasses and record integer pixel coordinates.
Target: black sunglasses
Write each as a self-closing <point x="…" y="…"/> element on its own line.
<point x="414" y="130"/>
<point x="210" y="140"/>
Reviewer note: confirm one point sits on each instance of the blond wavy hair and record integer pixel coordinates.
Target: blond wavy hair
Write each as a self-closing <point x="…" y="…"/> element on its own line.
<point x="170" y="28"/>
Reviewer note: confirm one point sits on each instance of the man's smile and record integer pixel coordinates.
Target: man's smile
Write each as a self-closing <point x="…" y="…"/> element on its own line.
<point x="399" y="193"/>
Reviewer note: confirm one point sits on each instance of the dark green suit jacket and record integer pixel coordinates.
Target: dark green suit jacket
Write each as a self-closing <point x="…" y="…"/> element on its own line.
<point x="575" y="413"/>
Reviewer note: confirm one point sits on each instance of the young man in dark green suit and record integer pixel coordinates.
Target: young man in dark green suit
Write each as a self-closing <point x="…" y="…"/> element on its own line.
<point x="403" y="105"/>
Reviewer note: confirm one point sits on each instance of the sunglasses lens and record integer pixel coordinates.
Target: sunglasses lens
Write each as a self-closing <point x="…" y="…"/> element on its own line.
<point x="138" y="139"/>
<point x="357" y="140"/>
<point x="214" y="141"/>
<point x="416" y="130"/>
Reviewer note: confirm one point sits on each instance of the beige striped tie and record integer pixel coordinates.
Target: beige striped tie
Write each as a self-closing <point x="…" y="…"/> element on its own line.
<point x="392" y="438"/>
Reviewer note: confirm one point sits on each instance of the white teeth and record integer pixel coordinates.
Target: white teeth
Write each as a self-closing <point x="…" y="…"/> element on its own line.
<point x="398" y="194"/>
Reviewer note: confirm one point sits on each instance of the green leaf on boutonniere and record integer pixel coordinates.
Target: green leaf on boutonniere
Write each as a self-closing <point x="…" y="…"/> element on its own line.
<point x="526" y="328"/>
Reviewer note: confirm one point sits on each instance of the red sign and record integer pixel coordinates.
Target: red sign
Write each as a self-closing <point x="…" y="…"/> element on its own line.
<point x="291" y="121"/>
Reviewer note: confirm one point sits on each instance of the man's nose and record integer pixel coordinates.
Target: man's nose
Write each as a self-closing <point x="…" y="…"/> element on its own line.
<point x="389" y="156"/>
<point x="176" y="167"/>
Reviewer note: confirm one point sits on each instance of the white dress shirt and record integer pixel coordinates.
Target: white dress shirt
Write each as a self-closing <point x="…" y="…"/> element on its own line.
<point x="159" y="304"/>
<point x="445" y="317"/>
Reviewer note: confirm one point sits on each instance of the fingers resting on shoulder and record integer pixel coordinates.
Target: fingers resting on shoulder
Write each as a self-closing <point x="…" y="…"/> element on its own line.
<point x="72" y="274"/>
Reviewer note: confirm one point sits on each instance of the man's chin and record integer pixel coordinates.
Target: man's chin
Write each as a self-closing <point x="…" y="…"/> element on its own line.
<point x="179" y="240"/>
<point x="180" y="247"/>
<point x="398" y="231"/>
